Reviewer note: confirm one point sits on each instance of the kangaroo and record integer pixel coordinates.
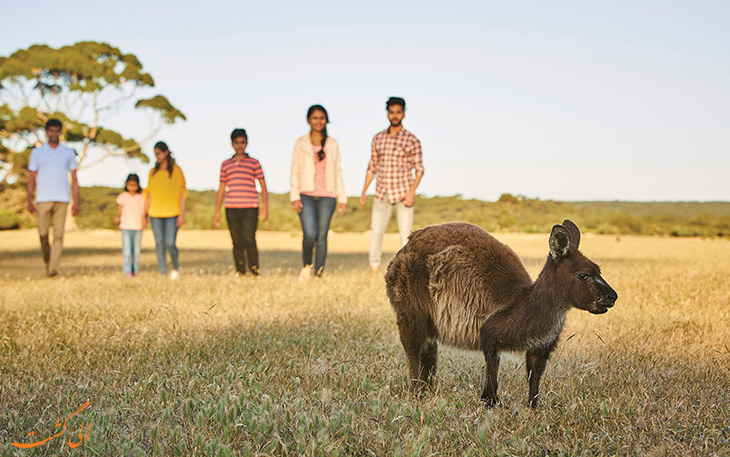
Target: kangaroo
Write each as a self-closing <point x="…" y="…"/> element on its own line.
<point x="456" y="284"/>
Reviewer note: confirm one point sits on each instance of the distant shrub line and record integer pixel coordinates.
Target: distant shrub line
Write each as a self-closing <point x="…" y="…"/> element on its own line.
<point x="510" y="213"/>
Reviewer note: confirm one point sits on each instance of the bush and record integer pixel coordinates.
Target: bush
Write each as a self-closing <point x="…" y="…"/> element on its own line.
<point x="11" y="221"/>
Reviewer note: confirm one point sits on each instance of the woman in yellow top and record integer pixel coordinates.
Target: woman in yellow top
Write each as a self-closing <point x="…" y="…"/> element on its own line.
<point x="166" y="195"/>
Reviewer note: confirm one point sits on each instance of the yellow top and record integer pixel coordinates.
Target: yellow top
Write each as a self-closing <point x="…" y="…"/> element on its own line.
<point x="164" y="192"/>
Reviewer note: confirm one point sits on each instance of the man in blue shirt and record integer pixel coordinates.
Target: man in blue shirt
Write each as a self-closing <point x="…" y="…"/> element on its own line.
<point x="49" y="167"/>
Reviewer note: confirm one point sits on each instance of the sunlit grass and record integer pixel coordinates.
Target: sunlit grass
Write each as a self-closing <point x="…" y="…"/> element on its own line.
<point x="215" y="364"/>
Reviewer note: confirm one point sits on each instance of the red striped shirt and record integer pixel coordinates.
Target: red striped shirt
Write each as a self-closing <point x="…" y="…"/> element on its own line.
<point x="240" y="180"/>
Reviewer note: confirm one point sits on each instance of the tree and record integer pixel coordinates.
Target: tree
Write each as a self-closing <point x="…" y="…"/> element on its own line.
<point x="82" y="85"/>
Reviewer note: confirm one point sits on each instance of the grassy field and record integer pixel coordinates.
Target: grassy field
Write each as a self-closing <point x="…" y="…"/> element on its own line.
<point x="215" y="364"/>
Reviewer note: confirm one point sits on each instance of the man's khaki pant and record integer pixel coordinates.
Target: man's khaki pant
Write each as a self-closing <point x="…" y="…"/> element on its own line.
<point x="51" y="214"/>
<point x="382" y="210"/>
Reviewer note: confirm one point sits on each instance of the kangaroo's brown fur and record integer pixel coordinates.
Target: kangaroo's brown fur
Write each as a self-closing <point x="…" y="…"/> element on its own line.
<point x="457" y="284"/>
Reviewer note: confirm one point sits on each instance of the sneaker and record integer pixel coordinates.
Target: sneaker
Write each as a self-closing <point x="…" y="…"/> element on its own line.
<point x="305" y="273"/>
<point x="254" y="271"/>
<point x="174" y="275"/>
<point x="129" y="275"/>
<point x="51" y="273"/>
<point x="374" y="272"/>
<point x="319" y="273"/>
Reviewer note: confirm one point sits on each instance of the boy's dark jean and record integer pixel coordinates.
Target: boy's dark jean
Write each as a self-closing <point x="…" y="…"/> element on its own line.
<point x="242" y="223"/>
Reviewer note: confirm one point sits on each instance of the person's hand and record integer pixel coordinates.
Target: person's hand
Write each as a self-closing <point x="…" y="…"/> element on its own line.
<point x="117" y="220"/>
<point x="144" y="222"/>
<point x="297" y="206"/>
<point x="408" y="200"/>
<point x="75" y="209"/>
<point x="363" y="199"/>
<point x="180" y="221"/>
<point x="342" y="208"/>
<point x="264" y="214"/>
<point x="217" y="220"/>
<point x="31" y="207"/>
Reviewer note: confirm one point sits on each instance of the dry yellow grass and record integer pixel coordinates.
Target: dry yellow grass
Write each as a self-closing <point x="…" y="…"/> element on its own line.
<point x="219" y="365"/>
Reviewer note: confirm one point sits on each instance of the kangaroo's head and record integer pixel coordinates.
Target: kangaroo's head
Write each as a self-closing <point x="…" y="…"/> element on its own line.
<point x="577" y="279"/>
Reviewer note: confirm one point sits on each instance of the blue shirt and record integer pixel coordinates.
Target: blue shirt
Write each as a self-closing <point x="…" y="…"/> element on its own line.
<point x="52" y="167"/>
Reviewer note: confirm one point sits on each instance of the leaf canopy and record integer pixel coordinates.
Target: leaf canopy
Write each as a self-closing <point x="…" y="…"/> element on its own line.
<point x="168" y="112"/>
<point x="78" y="84"/>
<point x="86" y="66"/>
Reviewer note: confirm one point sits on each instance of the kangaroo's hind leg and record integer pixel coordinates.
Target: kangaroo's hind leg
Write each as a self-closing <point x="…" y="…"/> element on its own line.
<point x="429" y="359"/>
<point x="414" y="343"/>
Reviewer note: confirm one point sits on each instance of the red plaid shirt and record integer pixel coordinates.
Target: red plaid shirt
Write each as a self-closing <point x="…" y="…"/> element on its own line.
<point x="393" y="158"/>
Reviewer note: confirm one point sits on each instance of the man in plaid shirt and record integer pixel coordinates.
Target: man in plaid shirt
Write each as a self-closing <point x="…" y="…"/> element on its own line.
<point x="395" y="153"/>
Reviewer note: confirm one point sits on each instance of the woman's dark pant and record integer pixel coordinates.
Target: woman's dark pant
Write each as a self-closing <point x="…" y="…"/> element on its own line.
<point x="242" y="223"/>
<point x="165" y="230"/>
<point x="316" y="216"/>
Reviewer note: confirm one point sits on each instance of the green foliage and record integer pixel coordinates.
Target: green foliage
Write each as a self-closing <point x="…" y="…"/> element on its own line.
<point x="8" y="220"/>
<point x="509" y="213"/>
<point x="98" y="207"/>
<point x="169" y="113"/>
<point x="86" y="66"/>
<point x="42" y="82"/>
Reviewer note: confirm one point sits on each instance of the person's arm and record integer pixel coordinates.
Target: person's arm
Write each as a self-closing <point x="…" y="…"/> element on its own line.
<point x="410" y="197"/>
<point x="339" y="182"/>
<point x="218" y="202"/>
<point x="148" y="196"/>
<point x="181" y="217"/>
<point x="31" y="191"/>
<point x="118" y="217"/>
<point x="183" y="197"/>
<point x="264" y="213"/>
<point x="370" y="175"/>
<point x="76" y="193"/>
<point x="147" y="201"/>
<point x="294" y="197"/>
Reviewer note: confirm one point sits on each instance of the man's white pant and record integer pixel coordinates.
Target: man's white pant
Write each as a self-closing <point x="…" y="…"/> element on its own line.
<point x="382" y="211"/>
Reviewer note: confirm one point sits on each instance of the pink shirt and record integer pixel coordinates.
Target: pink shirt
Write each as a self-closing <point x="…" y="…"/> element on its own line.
<point x="133" y="215"/>
<point x="320" y="177"/>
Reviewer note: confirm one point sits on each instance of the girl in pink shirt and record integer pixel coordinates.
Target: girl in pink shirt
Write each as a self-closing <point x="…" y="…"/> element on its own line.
<point x="131" y="218"/>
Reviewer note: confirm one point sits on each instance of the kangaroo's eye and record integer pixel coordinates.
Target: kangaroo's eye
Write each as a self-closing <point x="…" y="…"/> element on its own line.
<point x="583" y="276"/>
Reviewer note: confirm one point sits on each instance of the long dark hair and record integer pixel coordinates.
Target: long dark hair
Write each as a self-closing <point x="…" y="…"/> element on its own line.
<point x="310" y="111"/>
<point x="135" y="178"/>
<point x="162" y="146"/>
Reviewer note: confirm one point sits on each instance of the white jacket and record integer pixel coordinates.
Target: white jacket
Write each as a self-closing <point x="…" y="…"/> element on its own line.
<point x="302" y="169"/>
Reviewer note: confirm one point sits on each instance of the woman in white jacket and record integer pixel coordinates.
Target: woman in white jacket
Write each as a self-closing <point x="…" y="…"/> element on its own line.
<point x="316" y="188"/>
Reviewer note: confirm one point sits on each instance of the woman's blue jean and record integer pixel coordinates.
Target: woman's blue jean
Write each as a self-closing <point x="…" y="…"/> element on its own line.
<point x="131" y="249"/>
<point x="165" y="230"/>
<point x="316" y="215"/>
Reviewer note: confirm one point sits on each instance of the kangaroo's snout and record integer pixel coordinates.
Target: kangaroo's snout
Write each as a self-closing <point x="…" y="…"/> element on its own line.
<point x="606" y="300"/>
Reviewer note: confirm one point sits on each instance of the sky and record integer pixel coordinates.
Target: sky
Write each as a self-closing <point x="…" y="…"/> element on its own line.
<point x="563" y="100"/>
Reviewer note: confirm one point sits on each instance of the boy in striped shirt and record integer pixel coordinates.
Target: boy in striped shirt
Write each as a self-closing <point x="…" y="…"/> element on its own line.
<point x="238" y="184"/>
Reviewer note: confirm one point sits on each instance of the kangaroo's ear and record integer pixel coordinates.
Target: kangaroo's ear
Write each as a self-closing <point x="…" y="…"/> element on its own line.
<point x="574" y="232"/>
<point x="559" y="242"/>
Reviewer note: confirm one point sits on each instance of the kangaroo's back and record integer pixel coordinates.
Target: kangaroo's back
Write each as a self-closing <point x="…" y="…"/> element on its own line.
<point x="430" y="277"/>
